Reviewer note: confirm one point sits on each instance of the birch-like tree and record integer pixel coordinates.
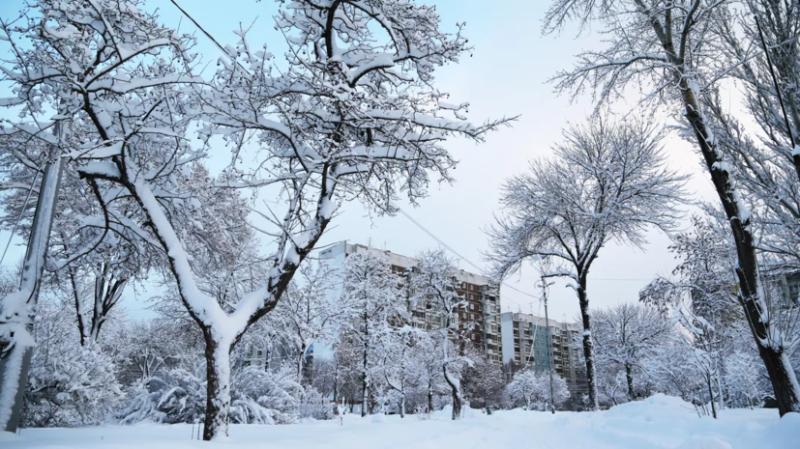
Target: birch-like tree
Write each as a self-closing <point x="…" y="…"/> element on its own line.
<point x="89" y="260"/>
<point x="672" y="49"/>
<point x="605" y="182"/>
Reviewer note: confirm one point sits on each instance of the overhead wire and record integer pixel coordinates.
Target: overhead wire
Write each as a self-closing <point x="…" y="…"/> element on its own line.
<point x="481" y="270"/>
<point x="457" y="254"/>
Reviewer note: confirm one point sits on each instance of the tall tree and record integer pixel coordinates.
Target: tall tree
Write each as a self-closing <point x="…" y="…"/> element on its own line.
<point x="669" y="47"/>
<point x="345" y="120"/>
<point x="86" y="78"/>
<point x="605" y="182"/>
<point x="434" y="283"/>
<point x="374" y="295"/>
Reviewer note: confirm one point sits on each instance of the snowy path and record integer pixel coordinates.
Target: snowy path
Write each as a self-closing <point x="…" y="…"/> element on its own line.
<point x="659" y="422"/>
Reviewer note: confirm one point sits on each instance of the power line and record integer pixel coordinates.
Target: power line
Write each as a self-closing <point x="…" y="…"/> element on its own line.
<point x="446" y="246"/>
<point x="457" y="254"/>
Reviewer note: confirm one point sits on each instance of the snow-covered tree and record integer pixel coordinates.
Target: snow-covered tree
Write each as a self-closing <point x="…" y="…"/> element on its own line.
<point x="627" y="335"/>
<point x="673" y="48"/>
<point x="353" y="116"/>
<point x="429" y="376"/>
<point x="742" y="380"/>
<point x="375" y="296"/>
<point x="703" y="300"/>
<point x="174" y="396"/>
<point x="759" y="49"/>
<point x="701" y="340"/>
<point x="484" y="381"/>
<point x="673" y="371"/>
<point x="434" y="284"/>
<point x="399" y="362"/>
<point x="266" y="396"/>
<point x="309" y="314"/>
<point x="153" y="347"/>
<point x="86" y="79"/>
<point x="605" y="182"/>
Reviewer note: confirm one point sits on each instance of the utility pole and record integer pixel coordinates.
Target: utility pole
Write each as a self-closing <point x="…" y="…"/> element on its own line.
<point x="17" y="309"/>
<point x="547" y="341"/>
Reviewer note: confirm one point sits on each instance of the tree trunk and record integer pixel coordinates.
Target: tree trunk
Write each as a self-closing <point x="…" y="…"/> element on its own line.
<point x="300" y="362"/>
<point x="365" y="374"/>
<point x="588" y="344"/>
<point x="456" y="393"/>
<point x="76" y="297"/>
<point x="781" y="373"/>
<point x="364" y="389"/>
<point x="430" y="395"/>
<point x="629" y="377"/>
<point x="711" y="395"/>
<point x="336" y="392"/>
<point x="218" y="386"/>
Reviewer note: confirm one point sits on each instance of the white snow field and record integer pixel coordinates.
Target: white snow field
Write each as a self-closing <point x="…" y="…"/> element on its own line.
<point x="657" y="422"/>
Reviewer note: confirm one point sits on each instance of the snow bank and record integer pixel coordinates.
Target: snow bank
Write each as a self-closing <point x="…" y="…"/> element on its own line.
<point x="657" y="422"/>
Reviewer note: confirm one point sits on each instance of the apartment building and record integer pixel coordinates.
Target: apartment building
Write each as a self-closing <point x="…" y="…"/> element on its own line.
<point x="532" y="341"/>
<point x="480" y="316"/>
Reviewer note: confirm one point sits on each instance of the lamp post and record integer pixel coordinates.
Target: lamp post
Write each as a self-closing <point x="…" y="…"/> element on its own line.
<point x="544" y="286"/>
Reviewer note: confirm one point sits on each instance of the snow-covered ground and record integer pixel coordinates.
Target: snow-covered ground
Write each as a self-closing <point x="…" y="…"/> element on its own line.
<point x="658" y="422"/>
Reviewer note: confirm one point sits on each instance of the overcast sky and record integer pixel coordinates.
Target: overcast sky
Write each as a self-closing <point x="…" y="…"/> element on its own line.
<point x="506" y="76"/>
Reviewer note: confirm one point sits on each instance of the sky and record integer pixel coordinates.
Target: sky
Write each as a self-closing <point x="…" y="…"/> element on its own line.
<point x="506" y="75"/>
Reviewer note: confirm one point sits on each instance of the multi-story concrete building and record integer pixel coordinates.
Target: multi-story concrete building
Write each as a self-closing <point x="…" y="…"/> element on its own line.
<point x="531" y="341"/>
<point x="479" y="318"/>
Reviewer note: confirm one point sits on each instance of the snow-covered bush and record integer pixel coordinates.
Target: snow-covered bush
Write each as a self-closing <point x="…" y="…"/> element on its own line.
<point x="179" y="396"/>
<point x="259" y="393"/>
<point x="176" y="396"/>
<point x="532" y="390"/>
<point x="314" y="404"/>
<point x="422" y="413"/>
<point x="68" y="384"/>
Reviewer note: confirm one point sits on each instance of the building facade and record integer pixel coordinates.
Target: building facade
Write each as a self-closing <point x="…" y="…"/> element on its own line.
<point x="479" y="318"/>
<point x="533" y="342"/>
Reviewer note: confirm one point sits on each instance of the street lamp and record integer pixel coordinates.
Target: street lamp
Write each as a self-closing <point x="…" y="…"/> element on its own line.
<point x="544" y="284"/>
